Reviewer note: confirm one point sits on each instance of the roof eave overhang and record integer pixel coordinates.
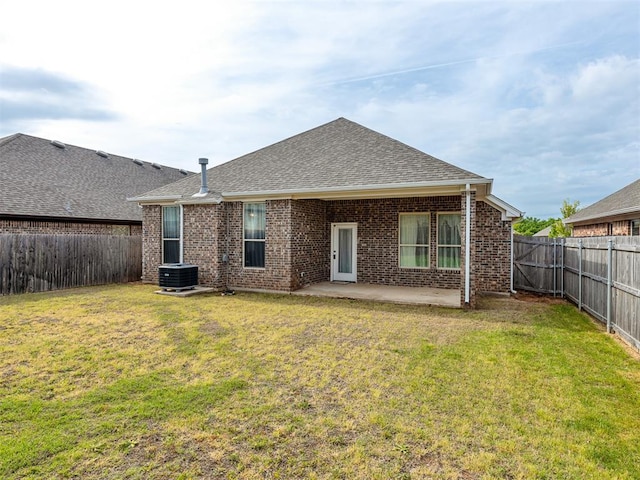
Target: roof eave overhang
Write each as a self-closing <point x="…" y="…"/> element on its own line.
<point x="626" y="213"/>
<point x="508" y="212"/>
<point x="155" y="200"/>
<point x="392" y="190"/>
<point x="482" y="187"/>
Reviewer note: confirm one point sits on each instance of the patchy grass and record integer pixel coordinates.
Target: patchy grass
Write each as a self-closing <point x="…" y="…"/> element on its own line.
<point x="116" y="382"/>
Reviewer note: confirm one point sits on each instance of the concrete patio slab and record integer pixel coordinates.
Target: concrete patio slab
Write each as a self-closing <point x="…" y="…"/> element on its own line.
<point x="384" y="293"/>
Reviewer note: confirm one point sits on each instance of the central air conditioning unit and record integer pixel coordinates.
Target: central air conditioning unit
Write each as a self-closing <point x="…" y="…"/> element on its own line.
<point x="177" y="276"/>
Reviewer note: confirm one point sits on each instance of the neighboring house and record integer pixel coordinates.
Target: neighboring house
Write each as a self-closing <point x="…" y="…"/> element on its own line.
<point x="618" y="214"/>
<point x="339" y="202"/>
<point x="49" y="187"/>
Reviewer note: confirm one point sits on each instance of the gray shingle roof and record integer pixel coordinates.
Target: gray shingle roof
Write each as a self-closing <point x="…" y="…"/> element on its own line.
<point x="338" y="154"/>
<point x="624" y="201"/>
<point x="39" y="179"/>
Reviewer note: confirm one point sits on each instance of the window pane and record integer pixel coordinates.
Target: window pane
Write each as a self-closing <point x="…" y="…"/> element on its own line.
<point x="414" y="257"/>
<point x="414" y="229"/>
<point x="254" y="221"/>
<point x="254" y="254"/>
<point x="345" y="238"/>
<point x="171" y="222"/>
<point x="171" y="251"/>
<point x="449" y="229"/>
<point x="448" y="257"/>
<point x="635" y="228"/>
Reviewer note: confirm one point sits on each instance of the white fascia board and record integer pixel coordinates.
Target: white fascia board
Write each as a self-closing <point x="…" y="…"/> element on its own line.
<point x="380" y="190"/>
<point x="200" y="201"/>
<point x="152" y="200"/>
<point x="509" y="212"/>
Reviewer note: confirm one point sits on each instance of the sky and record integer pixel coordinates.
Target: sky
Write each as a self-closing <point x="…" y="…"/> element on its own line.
<point x="543" y="97"/>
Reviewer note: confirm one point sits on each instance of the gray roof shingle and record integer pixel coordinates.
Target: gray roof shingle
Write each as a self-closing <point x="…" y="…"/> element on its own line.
<point x="39" y="179"/>
<point x="626" y="200"/>
<point x="338" y="154"/>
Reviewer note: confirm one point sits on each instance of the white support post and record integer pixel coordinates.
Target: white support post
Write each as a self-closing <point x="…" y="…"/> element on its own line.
<point x="467" y="247"/>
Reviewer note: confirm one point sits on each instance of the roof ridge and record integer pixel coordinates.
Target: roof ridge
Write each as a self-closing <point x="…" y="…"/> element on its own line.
<point x="10" y="138"/>
<point x="281" y="141"/>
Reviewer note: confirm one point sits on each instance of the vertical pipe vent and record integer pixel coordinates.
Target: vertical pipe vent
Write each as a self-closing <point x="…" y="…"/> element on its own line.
<point x="204" y="189"/>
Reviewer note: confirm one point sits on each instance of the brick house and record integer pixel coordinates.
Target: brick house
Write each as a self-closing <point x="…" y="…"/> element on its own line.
<point x="618" y="214"/>
<point x="50" y="187"/>
<point x="339" y="202"/>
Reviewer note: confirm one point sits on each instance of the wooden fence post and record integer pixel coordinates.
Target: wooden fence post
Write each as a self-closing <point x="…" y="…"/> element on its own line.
<point x="609" y="281"/>
<point x="579" y="274"/>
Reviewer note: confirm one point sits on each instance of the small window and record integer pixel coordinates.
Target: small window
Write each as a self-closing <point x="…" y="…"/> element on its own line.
<point x="449" y="243"/>
<point x="414" y="240"/>
<point x="635" y="228"/>
<point x="254" y="235"/>
<point x="171" y="234"/>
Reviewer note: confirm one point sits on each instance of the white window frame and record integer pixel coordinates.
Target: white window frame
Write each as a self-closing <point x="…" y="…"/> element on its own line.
<point x="438" y="242"/>
<point x="428" y="245"/>
<point x="244" y="240"/>
<point x="180" y="231"/>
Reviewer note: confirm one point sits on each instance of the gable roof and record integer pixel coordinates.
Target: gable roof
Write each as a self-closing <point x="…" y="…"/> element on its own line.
<point x="41" y="179"/>
<point x="335" y="157"/>
<point x="623" y="202"/>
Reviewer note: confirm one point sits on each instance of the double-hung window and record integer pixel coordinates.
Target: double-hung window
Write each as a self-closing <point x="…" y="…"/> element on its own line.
<point x="254" y="221"/>
<point x="171" y="234"/>
<point x="414" y="240"/>
<point x="635" y="228"/>
<point x="449" y="242"/>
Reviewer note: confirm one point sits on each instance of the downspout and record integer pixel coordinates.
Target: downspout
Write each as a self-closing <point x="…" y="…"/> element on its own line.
<point x="181" y="234"/>
<point x="467" y="247"/>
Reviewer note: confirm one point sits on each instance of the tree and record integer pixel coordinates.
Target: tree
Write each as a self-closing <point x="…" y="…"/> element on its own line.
<point x="528" y="226"/>
<point x="559" y="229"/>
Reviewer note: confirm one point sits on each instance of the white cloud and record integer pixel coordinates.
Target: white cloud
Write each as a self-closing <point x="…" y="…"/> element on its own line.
<point x="541" y="96"/>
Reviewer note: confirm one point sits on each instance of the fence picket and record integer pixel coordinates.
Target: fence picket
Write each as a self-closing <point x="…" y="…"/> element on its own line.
<point x="600" y="274"/>
<point x="35" y="263"/>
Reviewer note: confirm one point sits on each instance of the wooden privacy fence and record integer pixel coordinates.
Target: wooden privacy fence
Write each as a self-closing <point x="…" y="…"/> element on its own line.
<point x="36" y="263"/>
<point x="601" y="275"/>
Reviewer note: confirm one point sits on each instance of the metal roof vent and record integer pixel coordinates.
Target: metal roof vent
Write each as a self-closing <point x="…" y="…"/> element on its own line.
<point x="155" y="165"/>
<point x="137" y="162"/>
<point x="102" y="154"/>
<point x="204" y="188"/>
<point x="57" y="143"/>
<point x="184" y="172"/>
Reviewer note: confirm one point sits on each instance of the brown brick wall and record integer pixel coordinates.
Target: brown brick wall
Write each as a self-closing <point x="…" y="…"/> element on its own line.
<point x="618" y="228"/>
<point x="277" y="272"/>
<point x="203" y="242"/>
<point x="493" y="250"/>
<point x="151" y="242"/>
<point x="310" y="242"/>
<point x="378" y="239"/>
<point x="76" y="228"/>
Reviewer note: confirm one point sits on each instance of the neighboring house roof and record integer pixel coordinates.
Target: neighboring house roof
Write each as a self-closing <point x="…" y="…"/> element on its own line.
<point x="624" y="202"/>
<point x="544" y="232"/>
<point x="334" y="160"/>
<point x="40" y="179"/>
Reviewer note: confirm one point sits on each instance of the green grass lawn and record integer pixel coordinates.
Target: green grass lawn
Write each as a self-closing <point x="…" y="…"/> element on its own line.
<point x="116" y="382"/>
